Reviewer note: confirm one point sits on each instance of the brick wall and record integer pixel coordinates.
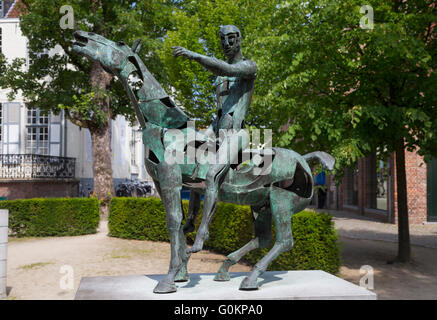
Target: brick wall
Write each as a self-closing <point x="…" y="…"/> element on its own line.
<point x="38" y="189"/>
<point x="416" y="189"/>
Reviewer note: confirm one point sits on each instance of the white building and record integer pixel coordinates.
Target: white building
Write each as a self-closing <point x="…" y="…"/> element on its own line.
<point x="47" y="155"/>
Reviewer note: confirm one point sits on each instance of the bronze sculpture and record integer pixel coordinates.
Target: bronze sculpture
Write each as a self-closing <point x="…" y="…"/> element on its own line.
<point x="234" y="89"/>
<point x="286" y="188"/>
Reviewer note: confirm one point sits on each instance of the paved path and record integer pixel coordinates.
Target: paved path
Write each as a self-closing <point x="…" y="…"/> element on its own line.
<point x="354" y="226"/>
<point x="365" y="242"/>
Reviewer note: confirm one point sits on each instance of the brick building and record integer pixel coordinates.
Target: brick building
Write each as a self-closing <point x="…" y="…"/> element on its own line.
<point x="370" y="189"/>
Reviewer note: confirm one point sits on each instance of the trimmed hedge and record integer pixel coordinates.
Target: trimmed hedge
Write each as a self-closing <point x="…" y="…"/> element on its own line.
<point x="315" y="245"/>
<point x="315" y="239"/>
<point x="138" y="218"/>
<point x="52" y="216"/>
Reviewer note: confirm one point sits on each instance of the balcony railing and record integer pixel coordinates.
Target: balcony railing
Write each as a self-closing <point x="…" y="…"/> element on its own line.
<point x="33" y="166"/>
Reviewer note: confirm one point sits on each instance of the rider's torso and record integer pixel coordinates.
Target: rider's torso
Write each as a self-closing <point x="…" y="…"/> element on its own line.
<point x="233" y="99"/>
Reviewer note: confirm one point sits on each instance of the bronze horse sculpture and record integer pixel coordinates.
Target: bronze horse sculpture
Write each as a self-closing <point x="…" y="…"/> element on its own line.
<point x="286" y="188"/>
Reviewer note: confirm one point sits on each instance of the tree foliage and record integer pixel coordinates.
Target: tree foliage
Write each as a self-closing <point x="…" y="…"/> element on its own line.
<point x="361" y="89"/>
<point x="323" y="81"/>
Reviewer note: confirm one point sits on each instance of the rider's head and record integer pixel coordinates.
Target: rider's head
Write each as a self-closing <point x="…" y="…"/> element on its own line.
<point x="230" y="37"/>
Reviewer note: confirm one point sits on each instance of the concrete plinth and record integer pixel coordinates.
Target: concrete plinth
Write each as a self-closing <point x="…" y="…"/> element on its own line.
<point x="273" y="285"/>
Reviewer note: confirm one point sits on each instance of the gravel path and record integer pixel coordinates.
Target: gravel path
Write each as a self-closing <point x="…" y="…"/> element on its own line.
<point x="34" y="264"/>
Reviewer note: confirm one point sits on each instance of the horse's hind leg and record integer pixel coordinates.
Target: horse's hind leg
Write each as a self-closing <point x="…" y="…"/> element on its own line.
<point x="283" y="206"/>
<point x="170" y="185"/>
<point x="262" y="221"/>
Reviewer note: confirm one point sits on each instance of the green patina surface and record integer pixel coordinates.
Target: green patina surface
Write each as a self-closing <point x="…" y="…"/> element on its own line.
<point x="284" y="189"/>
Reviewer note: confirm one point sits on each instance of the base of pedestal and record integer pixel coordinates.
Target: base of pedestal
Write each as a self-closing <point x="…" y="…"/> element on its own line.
<point x="273" y="285"/>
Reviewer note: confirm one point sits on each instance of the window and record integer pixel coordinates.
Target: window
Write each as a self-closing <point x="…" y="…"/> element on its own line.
<point x="135" y="138"/>
<point x="1" y="39"/>
<point x="37" y="132"/>
<point x="43" y="133"/>
<point x="378" y="182"/>
<point x="1" y="9"/>
<point x="382" y="185"/>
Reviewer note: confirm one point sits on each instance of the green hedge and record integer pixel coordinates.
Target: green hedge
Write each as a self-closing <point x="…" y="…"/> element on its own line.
<point x="315" y="245"/>
<point x="315" y="239"/>
<point x="52" y="216"/>
<point x="137" y="218"/>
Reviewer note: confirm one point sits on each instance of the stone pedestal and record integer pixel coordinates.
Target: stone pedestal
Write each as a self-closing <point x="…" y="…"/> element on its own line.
<point x="273" y="285"/>
<point x="4" y="216"/>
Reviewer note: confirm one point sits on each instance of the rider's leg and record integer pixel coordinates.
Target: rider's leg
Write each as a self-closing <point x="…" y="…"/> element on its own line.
<point x="216" y="173"/>
<point x="227" y="155"/>
<point x="214" y="179"/>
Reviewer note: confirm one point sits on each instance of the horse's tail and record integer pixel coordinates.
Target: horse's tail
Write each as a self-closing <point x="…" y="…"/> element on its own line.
<point x="324" y="158"/>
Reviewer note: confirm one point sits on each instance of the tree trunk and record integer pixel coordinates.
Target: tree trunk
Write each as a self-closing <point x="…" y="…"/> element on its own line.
<point x="404" y="248"/>
<point x="101" y="142"/>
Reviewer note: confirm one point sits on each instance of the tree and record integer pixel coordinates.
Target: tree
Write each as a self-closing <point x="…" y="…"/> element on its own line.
<point x="377" y="85"/>
<point x="63" y="80"/>
<point x="358" y="90"/>
<point x="324" y="82"/>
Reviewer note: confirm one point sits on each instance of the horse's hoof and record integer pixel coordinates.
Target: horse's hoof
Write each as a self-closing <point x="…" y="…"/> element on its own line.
<point x="182" y="277"/>
<point x="195" y="248"/>
<point x="248" y="284"/>
<point x="165" y="287"/>
<point x="222" y="276"/>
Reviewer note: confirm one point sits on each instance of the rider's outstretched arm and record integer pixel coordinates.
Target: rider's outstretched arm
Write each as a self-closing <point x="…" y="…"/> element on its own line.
<point x="244" y="69"/>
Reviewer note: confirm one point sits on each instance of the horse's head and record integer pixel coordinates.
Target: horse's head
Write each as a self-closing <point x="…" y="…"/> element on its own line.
<point x="122" y="61"/>
<point x="115" y="57"/>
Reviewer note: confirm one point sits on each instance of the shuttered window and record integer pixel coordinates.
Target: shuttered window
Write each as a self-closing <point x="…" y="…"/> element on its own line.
<point x="43" y="133"/>
<point x="55" y="134"/>
<point x="10" y="115"/>
<point x="37" y="132"/>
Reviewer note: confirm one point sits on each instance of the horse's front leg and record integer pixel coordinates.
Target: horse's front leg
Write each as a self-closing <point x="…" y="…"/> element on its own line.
<point x="170" y="185"/>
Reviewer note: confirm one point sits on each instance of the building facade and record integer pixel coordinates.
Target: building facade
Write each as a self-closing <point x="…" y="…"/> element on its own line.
<point x="44" y="155"/>
<point x="369" y="189"/>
